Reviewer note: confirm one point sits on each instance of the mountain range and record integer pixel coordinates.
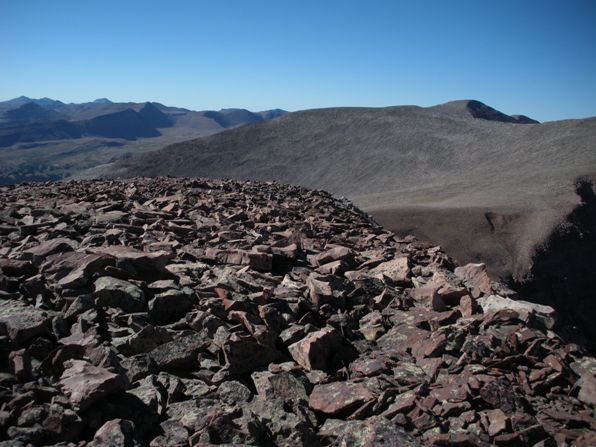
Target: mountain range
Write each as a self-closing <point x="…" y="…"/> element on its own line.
<point x="47" y="139"/>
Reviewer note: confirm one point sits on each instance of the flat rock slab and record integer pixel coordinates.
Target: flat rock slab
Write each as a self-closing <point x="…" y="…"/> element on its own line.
<point x="21" y="322"/>
<point x="85" y="384"/>
<point x="339" y="397"/>
<point x="525" y="309"/>
<point x="178" y="353"/>
<point x="375" y="431"/>
<point x="114" y="292"/>
<point x="59" y="245"/>
<point x="397" y="270"/>
<point x="74" y="269"/>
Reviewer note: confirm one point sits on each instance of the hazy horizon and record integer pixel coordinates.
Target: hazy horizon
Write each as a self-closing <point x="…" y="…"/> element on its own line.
<point x="535" y="58"/>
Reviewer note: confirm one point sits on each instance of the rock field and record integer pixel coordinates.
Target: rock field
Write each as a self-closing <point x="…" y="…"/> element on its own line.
<point x="192" y="312"/>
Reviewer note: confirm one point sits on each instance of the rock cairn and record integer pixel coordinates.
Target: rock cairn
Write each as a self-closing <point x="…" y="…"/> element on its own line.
<point x="177" y="312"/>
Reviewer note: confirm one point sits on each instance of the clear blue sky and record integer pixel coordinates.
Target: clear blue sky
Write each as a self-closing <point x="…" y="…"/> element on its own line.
<point x="532" y="57"/>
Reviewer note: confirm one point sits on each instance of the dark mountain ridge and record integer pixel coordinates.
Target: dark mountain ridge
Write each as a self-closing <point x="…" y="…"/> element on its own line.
<point x="87" y="110"/>
<point x="31" y="112"/>
<point x="127" y="124"/>
<point x="155" y="117"/>
<point x="45" y="139"/>
<point x="477" y="109"/>
<point x="104" y="118"/>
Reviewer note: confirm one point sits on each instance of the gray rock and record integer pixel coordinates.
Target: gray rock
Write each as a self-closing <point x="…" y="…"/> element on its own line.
<point x="23" y="323"/>
<point x="494" y="303"/>
<point x="113" y="292"/>
<point x="171" y="305"/>
<point x="232" y="392"/>
<point x="179" y="353"/>
<point x="117" y="432"/>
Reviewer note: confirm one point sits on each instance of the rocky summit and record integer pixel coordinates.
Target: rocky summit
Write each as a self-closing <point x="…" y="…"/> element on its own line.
<point x="190" y="312"/>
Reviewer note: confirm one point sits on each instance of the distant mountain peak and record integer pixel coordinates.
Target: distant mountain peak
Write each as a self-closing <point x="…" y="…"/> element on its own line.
<point x="155" y="117"/>
<point x="477" y="109"/>
<point x="102" y="101"/>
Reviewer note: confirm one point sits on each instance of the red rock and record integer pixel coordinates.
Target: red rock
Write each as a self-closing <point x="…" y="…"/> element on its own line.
<point x="14" y="267"/>
<point x="433" y="347"/>
<point x="397" y="270"/>
<point x="475" y="277"/>
<point x="59" y="245"/>
<point x="115" y="292"/>
<point x="402" y="404"/>
<point x="145" y="264"/>
<point x="117" y="432"/>
<point x="285" y="385"/>
<point x="338" y="253"/>
<point x="84" y="383"/>
<point x="339" y="397"/>
<point x="333" y="268"/>
<point x="493" y="304"/>
<point x="244" y="354"/>
<point x="553" y="362"/>
<point x="324" y="289"/>
<point x="430" y="297"/>
<point x="214" y="326"/>
<point x="467" y="306"/>
<point x="381" y="301"/>
<point x="257" y="261"/>
<point x="449" y="409"/>
<point x="20" y="364"/>
<point x="587" y="388"/>
<point x="449" y="293"/>
<point x="498" y="422"/>
<point x="314" y="350"/>
<point x="452" y="392"/>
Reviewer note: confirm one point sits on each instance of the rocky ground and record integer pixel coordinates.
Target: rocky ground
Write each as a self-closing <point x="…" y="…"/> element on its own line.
<point x="176" y="312"/>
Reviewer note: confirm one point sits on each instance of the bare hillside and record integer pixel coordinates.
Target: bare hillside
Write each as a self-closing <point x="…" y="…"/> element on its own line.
<point x="458" y="174"/>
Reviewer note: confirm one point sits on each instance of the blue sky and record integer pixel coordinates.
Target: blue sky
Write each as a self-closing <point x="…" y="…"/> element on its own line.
<point x="532" y="57"/>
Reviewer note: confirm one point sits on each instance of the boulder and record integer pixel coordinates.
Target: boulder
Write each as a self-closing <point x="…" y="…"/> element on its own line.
<point x="397" y="270"/>
<point x="339" y="398"/>
<point x="139" y="263"/>
<point x="178" y="353"/>
<point x="314" y="350"/>
<point x="372" y="432"/>
<point x="257" y="261"/>
<point x="113" y="292"/>
<point x="475" y="278"/>
<point x="171" y="305"/>
<point x="74" y="269"/>
<point x="117" y="432"/>
<point x="23" y="323"/>
<point x="526" y="310"/>
<point x="85" y="384"/>
<point x="39" y="253"/>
